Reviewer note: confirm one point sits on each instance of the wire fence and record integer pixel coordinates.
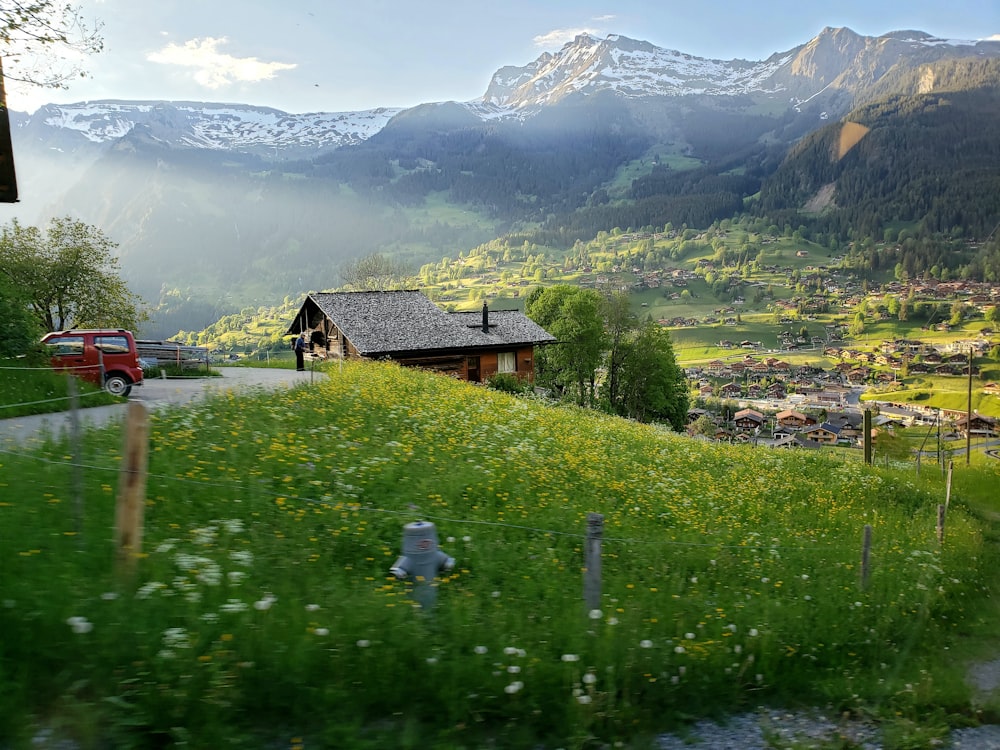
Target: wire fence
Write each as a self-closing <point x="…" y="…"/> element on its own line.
<point x="52" y="400"/>
<point x="363" y="508"/>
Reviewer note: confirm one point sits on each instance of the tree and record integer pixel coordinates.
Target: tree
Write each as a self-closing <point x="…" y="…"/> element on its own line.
<point x="572" y="315"/>
<point x="43" y="41"/>
<point x="375" y="273"/>
<point x="69" y="275"/>
<point x="619" y="321"/>
<point x="652" y="386"/>
<point x="18" y="327"/>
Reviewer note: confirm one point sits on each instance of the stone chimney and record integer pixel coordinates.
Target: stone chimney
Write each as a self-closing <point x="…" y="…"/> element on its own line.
<point x="486" y="318"/>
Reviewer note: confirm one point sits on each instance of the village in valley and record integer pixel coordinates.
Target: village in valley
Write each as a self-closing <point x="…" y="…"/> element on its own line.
<point x="785" y="342"/>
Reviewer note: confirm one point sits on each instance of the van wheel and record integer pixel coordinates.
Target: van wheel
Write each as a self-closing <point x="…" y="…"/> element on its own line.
<point x="118" y="385"/>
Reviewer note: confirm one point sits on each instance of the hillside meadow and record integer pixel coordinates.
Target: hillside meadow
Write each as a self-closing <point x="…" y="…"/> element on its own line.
<point x="261" y="611"/>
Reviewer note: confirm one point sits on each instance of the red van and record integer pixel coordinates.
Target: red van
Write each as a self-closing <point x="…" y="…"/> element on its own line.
<point x="104" y="357"/>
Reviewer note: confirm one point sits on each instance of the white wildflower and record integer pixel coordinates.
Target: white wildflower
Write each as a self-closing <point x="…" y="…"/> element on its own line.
<point x="80" y="625"/>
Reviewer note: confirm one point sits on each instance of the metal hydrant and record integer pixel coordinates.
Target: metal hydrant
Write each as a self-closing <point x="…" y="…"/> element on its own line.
<point x="421" y="560"/>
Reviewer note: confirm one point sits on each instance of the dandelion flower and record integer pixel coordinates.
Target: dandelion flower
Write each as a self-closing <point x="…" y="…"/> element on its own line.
<point x="590" y="678"/>
<point x="514" y="669"/>
<point x="753" y="632"/>
<point x="480" y="650"/>
<point x="595" y="614"/>
<point x="689" y="636"/>
<point x="645" y="643"/>
<point x="312" y="607"/>
<point x="583" y="699"/>
<point x="321" y="631"/>
<point x="570" y="657"/>
<point x="513" y="687"/>
<point x="364" y="643"/>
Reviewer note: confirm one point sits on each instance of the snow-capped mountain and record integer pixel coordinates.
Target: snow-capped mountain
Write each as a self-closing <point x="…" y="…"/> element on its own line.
<point x="210" y="126"/>
<point x="836" y="59"/>
<point x="831" y="73"/>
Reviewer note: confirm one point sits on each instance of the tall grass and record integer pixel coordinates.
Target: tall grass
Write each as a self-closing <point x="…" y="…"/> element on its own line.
<point x="28" y="386"/>
<point x="262" y="610"/>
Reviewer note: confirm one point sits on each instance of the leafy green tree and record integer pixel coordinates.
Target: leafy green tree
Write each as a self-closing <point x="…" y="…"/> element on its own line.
<point x="573" y="316"/>
<point x="619" y="321"/>
<point x="69" y="274"/>
<point x="18" y="327"/>
<point x="652" y="386"/>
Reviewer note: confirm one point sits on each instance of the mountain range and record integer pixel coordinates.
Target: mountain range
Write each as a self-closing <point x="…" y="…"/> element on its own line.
<point x="216" y="206"/>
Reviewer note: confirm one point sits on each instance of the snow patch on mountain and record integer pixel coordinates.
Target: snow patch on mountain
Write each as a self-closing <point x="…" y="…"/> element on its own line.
<point x="214" y="126"/>
<point x="628" y="67"/>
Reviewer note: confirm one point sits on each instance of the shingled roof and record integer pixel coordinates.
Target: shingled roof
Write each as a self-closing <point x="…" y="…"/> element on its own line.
<point x="386" y="323"/>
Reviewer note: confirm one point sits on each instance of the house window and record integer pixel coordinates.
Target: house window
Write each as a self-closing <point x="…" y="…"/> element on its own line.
<point x="506" y="362"/>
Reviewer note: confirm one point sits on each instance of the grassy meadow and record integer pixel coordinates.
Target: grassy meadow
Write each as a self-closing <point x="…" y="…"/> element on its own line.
<point x="261" y="612"/>
<point x="29" y="386"/>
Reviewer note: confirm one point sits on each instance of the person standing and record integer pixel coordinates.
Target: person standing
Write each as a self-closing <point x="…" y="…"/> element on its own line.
<point x="300" y="351"/>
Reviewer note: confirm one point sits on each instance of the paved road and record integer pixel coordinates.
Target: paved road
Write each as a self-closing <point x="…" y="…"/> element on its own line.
<point x="154" y="393"/>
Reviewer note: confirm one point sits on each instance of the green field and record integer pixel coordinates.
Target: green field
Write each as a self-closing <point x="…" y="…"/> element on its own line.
<point x="261" y="612"/>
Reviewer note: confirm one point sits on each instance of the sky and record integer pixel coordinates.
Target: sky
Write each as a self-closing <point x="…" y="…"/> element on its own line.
<point x="334" y="56"/>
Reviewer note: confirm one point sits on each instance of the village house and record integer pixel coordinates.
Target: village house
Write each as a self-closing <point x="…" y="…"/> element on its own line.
<point x="731" y="390"/>
<point x="825" y="434"/>
<point x="790" y="419"/>
<point x="748" y="420"/>
<point x="406" y="327"/>
<point x="981" y="426"/>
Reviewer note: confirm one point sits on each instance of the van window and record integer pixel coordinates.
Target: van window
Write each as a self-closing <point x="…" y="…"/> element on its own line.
<point x="67" y="346"/>
<point x="112" y="344"/>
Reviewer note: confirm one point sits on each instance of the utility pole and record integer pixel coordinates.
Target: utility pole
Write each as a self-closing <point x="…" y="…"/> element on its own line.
<point x="968" y="416"/>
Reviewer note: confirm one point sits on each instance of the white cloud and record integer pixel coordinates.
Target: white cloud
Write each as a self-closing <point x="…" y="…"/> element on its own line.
<point x="559" y="37"/>
<point x="215" y="69"/>
<point x="605" y="18"/>
<point x="994" y="38"/>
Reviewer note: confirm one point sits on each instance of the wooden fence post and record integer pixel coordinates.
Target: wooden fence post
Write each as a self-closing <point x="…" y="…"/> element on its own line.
<point x="947" y="486"/>
<point x="940" y="524"/>
<point x="866" y="551"/>
<point x="867" y="438"/>
<point x="132" y="486"/>
<point x="592" y="561"/>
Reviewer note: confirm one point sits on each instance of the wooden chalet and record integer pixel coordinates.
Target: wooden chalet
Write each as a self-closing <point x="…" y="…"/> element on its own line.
<point x="748" y="420"/>
<point x="980" y="426"/>
<point x="406" y="327"/>
<point x="795" y="420"/>
<point x="826" y="434"/>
